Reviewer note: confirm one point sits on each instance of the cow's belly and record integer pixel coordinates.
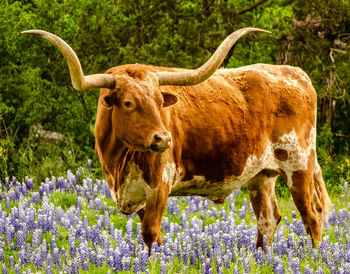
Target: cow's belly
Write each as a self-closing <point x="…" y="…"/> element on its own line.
<point x="202" y="187"/>
<point x="295" y="159"/>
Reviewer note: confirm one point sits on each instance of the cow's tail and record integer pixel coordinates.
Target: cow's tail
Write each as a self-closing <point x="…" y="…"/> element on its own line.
<point x="321" y="192"/>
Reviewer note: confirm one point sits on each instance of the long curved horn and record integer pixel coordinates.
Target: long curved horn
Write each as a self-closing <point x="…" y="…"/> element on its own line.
<point x="193" y="77"/>
<point x="79" y="81"/>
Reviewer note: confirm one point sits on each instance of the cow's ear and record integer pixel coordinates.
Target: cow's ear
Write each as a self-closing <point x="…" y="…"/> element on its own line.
<point x="169" y="99"/>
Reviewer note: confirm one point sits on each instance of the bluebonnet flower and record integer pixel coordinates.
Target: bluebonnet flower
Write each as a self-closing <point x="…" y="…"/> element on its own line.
<point x="75" y="266"/>
<point x="24" y="190"/>
<point x="246" y="265"/>
<point x="22" y="255"/>
<point x="29" y="183"/>
<point x="10" y="233"/>
<point x="98" y="204"/>
<point x="295" y="265"/>
<point x="49" y="264"/>
<point x="4" y="269"/>
<point x="72" y="245"/>
<point x="8" y="201"/>
<point x="11" y="194"/>
<point x="206" y="267"/>
<point x="126" y="263"/>
<point x="21" y="238"/>
<point x="79" y="201"/>
<point x="36" y="198"/>
<point x="137" y="265"/>
<point x="163" y="265"/>
<point x="17" y="269"/>
<point x="7" y="183"/>
<point x="91" y="204"/>
<point x="38" y="262"/>
<point x="346" y="187"/>
<point x="110" y="261"/>
<point x="291" y="241"/>
<point x="11" y="261"/>
<point x="117" y="258"/>
<point x="129" y="225"/>
<point x="143" y="259"/>
<point x="259" y="257"/>
<point x="242" y="212"/>
<point x="100" y="259"/>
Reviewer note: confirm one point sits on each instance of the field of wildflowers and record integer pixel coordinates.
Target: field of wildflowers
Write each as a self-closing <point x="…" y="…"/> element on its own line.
<point x="70" y="225"/>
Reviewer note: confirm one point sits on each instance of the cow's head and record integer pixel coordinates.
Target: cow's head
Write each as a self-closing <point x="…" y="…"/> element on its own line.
<point x="133" y="98"/>
<point x="134" y="106"/>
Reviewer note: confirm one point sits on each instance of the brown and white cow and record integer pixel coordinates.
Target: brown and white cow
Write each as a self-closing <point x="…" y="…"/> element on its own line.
<point x="243" y="126"/>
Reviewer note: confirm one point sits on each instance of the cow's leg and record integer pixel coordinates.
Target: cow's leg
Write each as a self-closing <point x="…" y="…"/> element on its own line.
<point x="152" y="217"/>
<point x="320" y="195"/>
<point x="262" y="196"/>
<point x="141" y="213"/>
<point x="310" y="197"/>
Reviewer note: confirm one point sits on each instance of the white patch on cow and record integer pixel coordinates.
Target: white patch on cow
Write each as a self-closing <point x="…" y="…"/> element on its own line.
<point x="265" y="225"/>
<point x="133" y="191"/>
<point x="169" y="172"/>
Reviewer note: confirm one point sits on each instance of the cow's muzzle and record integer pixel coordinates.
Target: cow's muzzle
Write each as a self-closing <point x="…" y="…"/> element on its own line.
<point x="161" y="141"/>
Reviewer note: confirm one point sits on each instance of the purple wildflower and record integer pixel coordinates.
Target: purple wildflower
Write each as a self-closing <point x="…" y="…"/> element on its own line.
<point x="308" y="270"/>
<point x="259" y="257"/>
<point x="10" y="233"/>
<point x="4" y="269"/>
<point x="242" y="212"/>
<point x="346" y="187"/>
<point x="36" y="198"/>
<point x="49" y="264"/>
<point x="100" y="259"/>
<point x="21" y="238"/>
<point x="129" y="226"/>
<point x="75" y="266"/>
<point x="295" y="265"/>
<point x="72" y="245"/>
<point x="137" y="265"/>
<point x="206" y="267"/>
<point x="7" y="183"/>
<point x="98" y="204"/>
<point x="17" y="269"/>
<point x="126" y="263"/>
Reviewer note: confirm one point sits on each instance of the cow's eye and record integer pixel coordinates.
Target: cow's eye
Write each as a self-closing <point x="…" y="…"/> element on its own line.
<point x="128" y="104"/>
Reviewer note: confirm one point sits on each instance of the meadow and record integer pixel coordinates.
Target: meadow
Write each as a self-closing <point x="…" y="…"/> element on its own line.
<point x="71" y="225"/>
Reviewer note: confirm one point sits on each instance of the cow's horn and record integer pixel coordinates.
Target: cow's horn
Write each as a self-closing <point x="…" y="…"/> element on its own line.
<point x="79" y="81"/>
<point x="193" y="77"/>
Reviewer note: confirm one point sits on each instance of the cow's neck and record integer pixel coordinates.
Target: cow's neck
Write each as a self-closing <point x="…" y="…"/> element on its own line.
<point x="147" y="162"/>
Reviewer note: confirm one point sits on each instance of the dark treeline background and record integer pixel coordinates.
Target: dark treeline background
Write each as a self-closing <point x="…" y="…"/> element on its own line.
<point x="35" y="88"/>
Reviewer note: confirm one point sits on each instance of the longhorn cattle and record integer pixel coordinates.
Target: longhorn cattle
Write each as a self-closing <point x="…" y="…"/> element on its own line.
<point x="164" y="132"/>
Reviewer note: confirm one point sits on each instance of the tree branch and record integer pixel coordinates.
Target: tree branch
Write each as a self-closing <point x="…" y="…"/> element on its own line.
<point x="252" y="7"/>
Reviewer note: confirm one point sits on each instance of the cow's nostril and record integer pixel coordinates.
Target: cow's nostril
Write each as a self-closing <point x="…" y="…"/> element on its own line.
<point x="161" y="141"/>
<point x="157" y="138"/>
